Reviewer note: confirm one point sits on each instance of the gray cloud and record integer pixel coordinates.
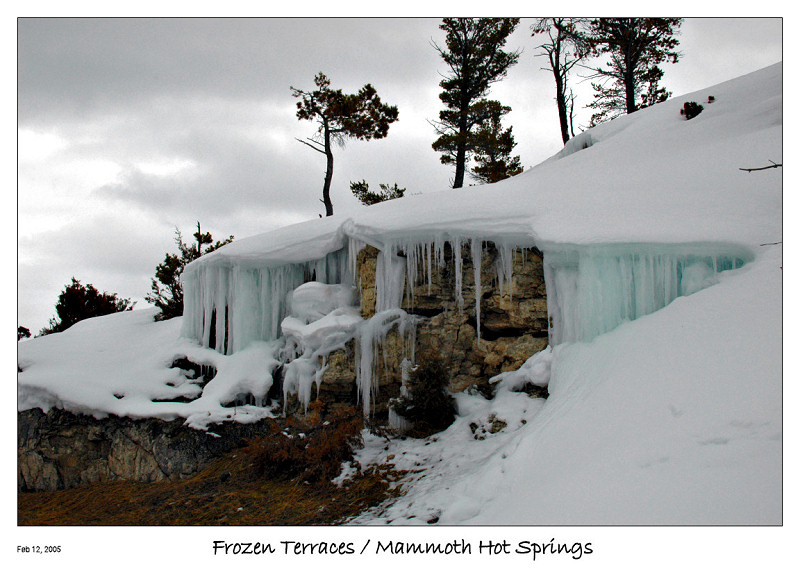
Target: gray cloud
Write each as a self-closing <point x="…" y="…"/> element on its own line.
<point x="80" y="67"/>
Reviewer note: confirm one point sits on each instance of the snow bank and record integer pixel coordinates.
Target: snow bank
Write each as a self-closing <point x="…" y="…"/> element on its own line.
<point x="122" y="364"/>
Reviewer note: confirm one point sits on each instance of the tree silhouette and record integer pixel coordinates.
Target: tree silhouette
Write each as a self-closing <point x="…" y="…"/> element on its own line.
<point x="564" y="47"/>
<point x="362" y="116"/>
<point x="362" y="192"/>
<point x="636" y="46"/>
<point x="475" y="58"/>
<point x="492" y="146"/>
<point x="166" y="290"/>
<point x="78" y="302"/>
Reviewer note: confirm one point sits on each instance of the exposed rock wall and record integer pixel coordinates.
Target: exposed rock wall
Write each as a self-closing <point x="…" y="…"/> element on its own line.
<point x="60" y="450"/>
<point x="513" y="323"/>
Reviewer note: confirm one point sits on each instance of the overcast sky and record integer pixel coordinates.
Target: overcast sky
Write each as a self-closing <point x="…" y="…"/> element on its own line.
<point x="128" y="128"/>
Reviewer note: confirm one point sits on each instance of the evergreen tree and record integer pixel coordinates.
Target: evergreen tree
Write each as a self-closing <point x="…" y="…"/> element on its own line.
<point x="361" y="190"/>
<point x="166" y="290"/>
<point x="636" y="46"/>
<point x="493" y="145"/>
<point x="476" y="60"/>
<point x="23" y="332"/>
<point x="78" y="302"/>
<point x="362" y="116"/>
<point x="564" y="47"/>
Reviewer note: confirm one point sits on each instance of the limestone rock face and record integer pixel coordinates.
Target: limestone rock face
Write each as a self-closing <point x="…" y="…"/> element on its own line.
<point x="339" y="381"/>
<point x="367" y="263"/>
<point x="60" y="450"/>
<point x="513" y="321"/>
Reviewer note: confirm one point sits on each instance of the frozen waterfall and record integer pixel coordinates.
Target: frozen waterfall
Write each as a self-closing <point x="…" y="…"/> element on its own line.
<point x="312" y="307"/>
<point x="227" y="306"/>
<point x="593" y="289"/>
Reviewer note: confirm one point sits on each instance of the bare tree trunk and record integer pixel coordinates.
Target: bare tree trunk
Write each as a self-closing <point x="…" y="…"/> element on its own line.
<point x="629" y="77"/>
<point x="561" y="102"/>
<point x="326" y="188"/>
<point x="461" y="146"/>
<point x="630" y="92"/>
<point x="461" y="158"/>
<point x="561" y="96"/>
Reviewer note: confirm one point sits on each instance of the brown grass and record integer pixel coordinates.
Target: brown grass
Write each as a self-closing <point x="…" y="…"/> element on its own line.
<point x="234" y="489"/>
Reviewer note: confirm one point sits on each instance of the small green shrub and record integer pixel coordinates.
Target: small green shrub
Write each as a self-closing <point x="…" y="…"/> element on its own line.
<point x="428" y="405"/>
<point x="362" y="192"/>
<point x="691" y="109"/>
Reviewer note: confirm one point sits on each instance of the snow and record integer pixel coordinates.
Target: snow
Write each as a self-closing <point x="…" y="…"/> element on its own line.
<point x="664" y="370"/>
<point x="121" y="364"/>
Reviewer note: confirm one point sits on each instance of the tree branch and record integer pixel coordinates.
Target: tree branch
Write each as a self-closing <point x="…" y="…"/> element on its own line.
<point x="774" y="165"/>
<point x="310" y="146"/>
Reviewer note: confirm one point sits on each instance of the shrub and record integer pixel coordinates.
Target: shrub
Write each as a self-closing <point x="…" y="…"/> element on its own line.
<point x="78" y="302"/>
<point x="428" y="405"/>
<point x="691" y="109"/>
<point x="314" y="453"/>
<point x="362" y="192"/>
<point x="166" y="290"/>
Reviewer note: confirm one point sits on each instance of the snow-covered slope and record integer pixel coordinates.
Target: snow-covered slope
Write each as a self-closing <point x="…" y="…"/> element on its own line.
<point x="672" y="418"/>
<point x="651" y="176"/>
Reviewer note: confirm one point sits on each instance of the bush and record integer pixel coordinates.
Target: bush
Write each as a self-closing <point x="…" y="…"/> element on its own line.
<point x="691" y="109"/>
<point x="166" y="288"/>
<point x="362" y="192"/>
<point x="313" y="453"/>
<point x="78" y="302"/>
<point x="428" y="404"/>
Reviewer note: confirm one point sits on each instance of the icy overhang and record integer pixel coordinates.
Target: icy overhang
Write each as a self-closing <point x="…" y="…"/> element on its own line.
<point x="593" y="289"/>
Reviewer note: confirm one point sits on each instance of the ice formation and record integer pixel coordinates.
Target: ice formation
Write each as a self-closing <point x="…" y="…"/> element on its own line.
<point x="593" y="289"/>
<point x="370" y="338"/>
<point x="311" y="306"/>
<point x="228" y="305"/>
<point x="535" y="371"/>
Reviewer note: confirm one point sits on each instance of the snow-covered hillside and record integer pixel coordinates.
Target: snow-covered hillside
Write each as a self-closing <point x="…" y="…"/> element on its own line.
<point x="664" y="409"/>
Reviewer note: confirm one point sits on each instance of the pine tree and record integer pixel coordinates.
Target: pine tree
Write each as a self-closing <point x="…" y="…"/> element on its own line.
<point x="636" y="46"/>
<point x="564" y="47"/>
<point x="361" y="190"/>
<point x="493" y="145"/>
<point x="476" y="60"/>
<point x="362" y="116"/>
<point x="78" y="302"/>
<point x="166" y="290"/>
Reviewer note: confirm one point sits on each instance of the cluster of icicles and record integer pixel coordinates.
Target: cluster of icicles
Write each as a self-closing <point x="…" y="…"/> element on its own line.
<point x="590" y="290"/>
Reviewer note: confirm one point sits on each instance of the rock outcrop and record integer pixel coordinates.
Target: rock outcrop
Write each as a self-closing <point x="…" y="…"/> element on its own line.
<point x="61" y="450"/>
<point x="513" y="323"/>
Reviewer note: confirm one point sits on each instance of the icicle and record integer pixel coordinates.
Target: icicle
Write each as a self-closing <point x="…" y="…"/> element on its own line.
<point x="476" y="246"/>
<point x="591" y="290"/>
<point x="504" y="268"/>
<point x="455" y="245"/>
<point x="354" y="247"/>
<point x="371" y="335"/>
<point x="428" y="262"/>
<point x="411" y="250"/>
<point x="389" y="280"/>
